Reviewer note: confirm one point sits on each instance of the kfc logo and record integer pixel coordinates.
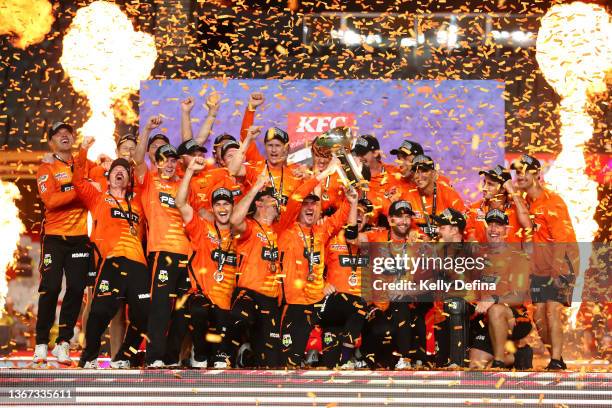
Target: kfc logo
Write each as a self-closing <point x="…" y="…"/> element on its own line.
<point x="305" y="126"/>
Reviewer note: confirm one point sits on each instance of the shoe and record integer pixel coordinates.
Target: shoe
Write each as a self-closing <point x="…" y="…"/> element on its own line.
<point x="173" y="365"/>
<point x="220" y="364"/>
<point x="523" y="358"/>
<point x="62" y="352"/>
<point x="156" y="364"/>
<point x="349" y="365"/>
<point x="244" y="353"/>
<point x="556" y="364"/>
<point x="40" y="354"/>
<point x="402" y="364"/>
<point x="93" y="364"/>
<point x="120" y="364"/>
<point x="312" y="358"/>
<point x="195" y="363"/>
<point x="498" y="364"/>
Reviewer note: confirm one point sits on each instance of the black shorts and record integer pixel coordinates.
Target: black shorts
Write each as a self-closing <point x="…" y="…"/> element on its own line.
<point x="543" y="289"/>
<point x="480" y="338"/>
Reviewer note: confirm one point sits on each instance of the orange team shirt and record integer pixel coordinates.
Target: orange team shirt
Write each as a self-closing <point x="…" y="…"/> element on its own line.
<point x="377" y="187"/>
<point x="64" y="212"/>
<point x="209" y="164"/>
<point x="98" y="175"/>
<point x="218" y="287"/>
<point x="280" y="176"/>
<point x="205" y="183"/>
<point x="165" y="231"/>
<point x="476" y="224"/>
<point x="330" y="191"/>
<point x="252" y="154"/>
<point x="446" y="197"/>
<point x="552" y="229"/>
<point x="111" y="229"/>
<point x="341" y="259"/>
<point x="257" y="247"/>
<point x="295" y="245"/>
<point x="509" y="269"/>
<point x="400" y="188"/>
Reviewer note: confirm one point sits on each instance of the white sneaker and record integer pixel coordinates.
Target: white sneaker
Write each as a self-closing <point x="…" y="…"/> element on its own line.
<point x="195" y="363"/>
<point x="220" y="364"/>
<point x="120" y="364"/>
<point x="62" y="352"/>
<point x="402" y="364"/>
<point x="40" y="354"/>
<point x="156" y="364"/>
<point x="349" y="365"/>
<point x="173" y="365"/>
<point x="93" y="364"/>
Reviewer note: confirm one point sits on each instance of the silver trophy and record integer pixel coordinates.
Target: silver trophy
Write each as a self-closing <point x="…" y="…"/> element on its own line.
<point x="337" y="142"/>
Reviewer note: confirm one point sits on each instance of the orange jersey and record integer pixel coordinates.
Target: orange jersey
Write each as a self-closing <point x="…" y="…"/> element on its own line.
<point x="165" y="230"/>
<point x="400" y="188"/>
<point x="111" y="232"/>
<point x="64" y="212"/>
<point x="98" y="174"/>
<point x="377" y="187"/>
<point x="477" y="226"/>
<point x="210" y="249"/>
<point x="553" y="235"/>
<point x="205" y="183"/>
<point x="298" y="244"/>
<point x="280" y="177"/>
<point x="446" y="197"/>
<point x="344" y="264"/>
<point x="508" y="269"/>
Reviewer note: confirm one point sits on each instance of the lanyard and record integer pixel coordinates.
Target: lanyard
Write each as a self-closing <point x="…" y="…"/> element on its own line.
<point x="222" y="254"/>
<point x="129" y="213"/>
<point x="71" y="165"/>
<point x="433" y="205"/>
<point x="278" y="193"/>
<point x="350" y="251"/>
<point x="309" y="250"/>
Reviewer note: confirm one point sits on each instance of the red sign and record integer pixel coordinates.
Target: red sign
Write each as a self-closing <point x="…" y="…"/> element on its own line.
<point x="305" y="126"/>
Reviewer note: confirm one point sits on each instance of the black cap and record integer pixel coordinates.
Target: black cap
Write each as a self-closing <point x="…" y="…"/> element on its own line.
<point x="364" y="202"/>
<point x="409" y="148"/>
<point x="222" y="193"/>
<point x="57" y="126"/>
<point x="119" y="162"/>
<point x="190" y="147"/>
<point x="223" y="137"/>
<point x="526" y="163"/>
<point x="158" y="136"/>
<point x="228" y="144"/>
<point x="268" y="191"/>
<point x="276" y="133"/>
<point x="313" y="197"/>
<point x="165" y="151"/>
<point x="497" y="216"/>
<point x="399" y="207"/>
<point x="423" y="162"/>
<point x="450" y="216"/>
<point x="125" y="138"/>
<point x="365" y="144"/>
<point x="498" y="173"/>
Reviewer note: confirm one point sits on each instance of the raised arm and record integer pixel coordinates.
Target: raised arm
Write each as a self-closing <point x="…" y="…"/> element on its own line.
<point x="141" y="147"/>
<point x="212" y="104"/>
<point x="186" y="107"/>
<point x="197" y="164"/>
<point x="345" y="215"/>
<point x="522" y="212"/>
<point x="236" y="165"/>
<point x="240" y="211"/>
<point x="86" y="192"/>
<point x="255" y="99"/>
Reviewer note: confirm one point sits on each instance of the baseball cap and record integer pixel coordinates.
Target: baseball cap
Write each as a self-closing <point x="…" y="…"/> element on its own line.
<point x="409" y="148"/>
<point x="312" y="196"/>
<point x="222" y="193"/>
<point x="165" y="151"/>
<point x="276" y="133"/>
<point x="450" y="216"/>
<point x="125" y="138"/>
<point x="155" y="137"/>
<point x="497" y="216"/>
<point x="367" y="204"/>
<point x="228" y="144"/>
<point x="57" y="126"/>
<point x="526" y="162"/>
<point x="223" y="137"/>
<point x="365" y="144"/>
<point x="119" y="162"/>
<point x="423" y="162"/>
<point x="268" y="191"/>
<point x="498" y="173"/>
<point x="189" y="147"/>
<point x="399" y="207"/>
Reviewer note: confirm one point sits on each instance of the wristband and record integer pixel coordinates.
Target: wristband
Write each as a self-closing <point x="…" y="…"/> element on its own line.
<point x="351" y="232"/>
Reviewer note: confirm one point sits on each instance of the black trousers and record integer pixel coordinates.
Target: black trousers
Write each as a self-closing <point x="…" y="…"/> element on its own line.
<point x="342" y="320"/>
<point x="72" y="257"/>
<point x="212" y="331"/>
<point x="169" y="282"/>
<point x="260" y="316"/>
<point x="119" y="280"/>
<point x="296" y="324"/>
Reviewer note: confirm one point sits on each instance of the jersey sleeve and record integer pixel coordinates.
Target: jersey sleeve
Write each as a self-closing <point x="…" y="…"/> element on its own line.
<point x="335" y="223"/>
<point x="246" y="234"/>
<point x="195" y="228"/>
<point x="252" y="154"/>
<point x="50" y="191"/>
<point x="294" y="203"/>
<point x="87" y="193"/>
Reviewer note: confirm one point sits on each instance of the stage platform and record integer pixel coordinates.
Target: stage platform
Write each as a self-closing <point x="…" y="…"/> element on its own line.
<point x="302" y="388"/>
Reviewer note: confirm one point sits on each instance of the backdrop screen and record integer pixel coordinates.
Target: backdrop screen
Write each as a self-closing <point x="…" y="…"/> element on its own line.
<point x="459" y="123"/>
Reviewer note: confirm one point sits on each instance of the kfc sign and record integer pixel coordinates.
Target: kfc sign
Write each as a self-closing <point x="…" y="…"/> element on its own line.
<point x="305" y="126"/>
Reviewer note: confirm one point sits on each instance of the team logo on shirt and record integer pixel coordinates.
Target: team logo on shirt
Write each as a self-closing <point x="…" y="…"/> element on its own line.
<point x="328" y="338"/>
<point x="287" y="340"/>
<point x="47" y="260"/>
<point x="61" y="176"/>
<point x="43" y="178"/>
<point x="167" y="200"/>
<point x="269" y="254"/>
<point x="66" y="187"/>
<point x="353" y="260"/>
<point x="163" y="276"/>
<point x="117" y="213"/>
<point x="228" y="258"/>
<point x="104" y="286"/>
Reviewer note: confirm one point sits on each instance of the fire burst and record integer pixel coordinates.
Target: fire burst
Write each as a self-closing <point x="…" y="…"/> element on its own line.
<point x="27" y="20"/>
<point x="10" y="229"/>
<point x="106" y="60"/>
<point x="574" y="53"/>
